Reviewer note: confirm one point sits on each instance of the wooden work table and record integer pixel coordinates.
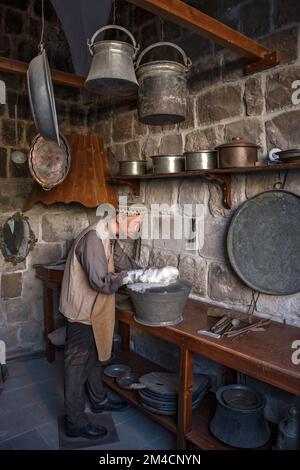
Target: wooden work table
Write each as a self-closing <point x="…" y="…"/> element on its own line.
<point x="264" y="355"/>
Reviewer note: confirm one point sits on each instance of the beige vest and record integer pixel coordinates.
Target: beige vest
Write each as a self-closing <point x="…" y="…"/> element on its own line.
<point x="80" y="303"/>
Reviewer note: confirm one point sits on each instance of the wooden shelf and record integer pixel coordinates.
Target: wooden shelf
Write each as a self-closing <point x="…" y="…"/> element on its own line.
<point x="198" y="22"/>
<point x="220" y="175"/>
<point x="200" y="435"/>
<point x="142" y="366"/>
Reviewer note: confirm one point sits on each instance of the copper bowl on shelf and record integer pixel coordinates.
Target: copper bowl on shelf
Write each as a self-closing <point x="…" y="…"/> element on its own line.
<point x="237" y="154"/>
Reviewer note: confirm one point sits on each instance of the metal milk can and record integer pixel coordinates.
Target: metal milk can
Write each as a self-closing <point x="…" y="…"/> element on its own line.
<point x="112" y="69"/>
<point x="163" y="88"/>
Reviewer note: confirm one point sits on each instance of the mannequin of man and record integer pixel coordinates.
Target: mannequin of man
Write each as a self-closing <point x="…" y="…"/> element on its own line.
<point x="95" y="270"/>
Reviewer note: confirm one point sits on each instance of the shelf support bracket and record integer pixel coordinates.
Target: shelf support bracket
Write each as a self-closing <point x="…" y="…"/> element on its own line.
<point x="225" y="181"/>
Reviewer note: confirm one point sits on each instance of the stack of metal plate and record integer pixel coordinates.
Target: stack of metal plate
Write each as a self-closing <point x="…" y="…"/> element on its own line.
<point x="160" y="394"/>
<point x="289" y="156"/>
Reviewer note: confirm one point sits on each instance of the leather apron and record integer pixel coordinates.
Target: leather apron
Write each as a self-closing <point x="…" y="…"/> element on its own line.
<point x="103" y="318"/>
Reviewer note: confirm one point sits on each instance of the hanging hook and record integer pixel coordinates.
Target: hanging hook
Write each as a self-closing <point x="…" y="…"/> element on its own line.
<point x="280" y="184"/>
<point x="162" y="32"/>
<point x="114" y="11"/>
<point x="41" y="44"/>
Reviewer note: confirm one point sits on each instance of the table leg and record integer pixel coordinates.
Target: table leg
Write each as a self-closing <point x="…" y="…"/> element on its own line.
<point x="125" y="336"/>
<point x="184" y="421"/>
<point x="49" y="321"/>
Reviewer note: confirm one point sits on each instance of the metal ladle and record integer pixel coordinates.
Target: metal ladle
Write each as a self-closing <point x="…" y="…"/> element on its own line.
<point x="17" y="156"/>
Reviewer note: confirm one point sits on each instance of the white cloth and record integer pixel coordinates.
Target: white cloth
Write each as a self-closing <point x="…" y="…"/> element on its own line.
<point x="143" y="279"/>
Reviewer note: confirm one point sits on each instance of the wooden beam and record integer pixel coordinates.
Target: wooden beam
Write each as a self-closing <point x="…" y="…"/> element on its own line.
<point x="20" y="68"/>
<point x="206" y="26"/>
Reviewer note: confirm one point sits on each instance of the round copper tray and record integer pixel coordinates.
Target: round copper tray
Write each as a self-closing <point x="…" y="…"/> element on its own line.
<point x="49" y="163"/>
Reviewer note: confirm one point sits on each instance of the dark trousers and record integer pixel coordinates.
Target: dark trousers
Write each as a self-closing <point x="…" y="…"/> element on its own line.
<point x="83" y="372"/>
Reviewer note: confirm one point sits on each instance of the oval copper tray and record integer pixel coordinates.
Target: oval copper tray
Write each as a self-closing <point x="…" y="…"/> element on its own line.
<point x="49" y="163"/>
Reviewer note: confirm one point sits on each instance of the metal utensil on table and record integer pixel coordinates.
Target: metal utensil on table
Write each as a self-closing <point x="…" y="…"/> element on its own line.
<point x="116" y="370"/>
<point x="163" y="164"/>
<point x="161" y="306"/>
<point x="254" y="327"/>
<point x="263" y="242"/>
<point x="49" y="163"/>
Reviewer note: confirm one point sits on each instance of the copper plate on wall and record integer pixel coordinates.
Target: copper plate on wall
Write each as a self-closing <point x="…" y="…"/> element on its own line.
<point x="263" y="242"/>
<point x="49" y="163"/>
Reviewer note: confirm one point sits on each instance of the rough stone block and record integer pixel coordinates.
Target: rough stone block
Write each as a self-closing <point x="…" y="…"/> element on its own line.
<point x="104" y="129"/>
<point x="255" y="18"/>
<point x="19" y="171"/>
<point x="292" y="182"/>
<point x="170" y="144"/>
<point x="78" y="115"/>
<point x="159" y="259"/>
<point x="279" y="88"/>
<point x="8" y="132"/>
<point x="133" y="150"/>
<point x="158" y="192"/>
<point x="205" y="74"/>
<point x="285" y="42"/>
<point x="192" y="191"/>
<point x="10" y="336"/>
<point x="150" y="146"/>
<point x="64" y="226"/>
<point x="285" y="307"/>
<point x="260" y="182"/>
<point x="254" y="97"/>
<point x="286" y="11"/>
<point x="224" y="286"/>
<point x="11" y="285"/>
<point x="194" y="270"/>
<point x="44" y="253"/>
<point x="189" y="122"/>
<point x="30" y="133"/>
<point x="3" y="162"/>
<point x="283" y="131"/>
<point x="204" y="139"/>
<point x="194" y="46"/>
<point x="17" y="311"/>
<point x="31" y="336"/>
<point x="13" y="22"/>
<point x="232" y="66"/>
<point x="221" y="103"/>
<point x="250" y="129"/>
<point x="214" y="247"/>
<point x="7" y="267"/>
<point x="122" y="127"/>
<point x="13" y="195"/>
<point x="139" y="129"/>
<point x="216" y="206"/>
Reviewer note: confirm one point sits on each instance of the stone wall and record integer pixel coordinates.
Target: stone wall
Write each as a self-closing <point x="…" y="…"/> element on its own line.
<point x="21" y="313"/>
<point x="222" y="103"/>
